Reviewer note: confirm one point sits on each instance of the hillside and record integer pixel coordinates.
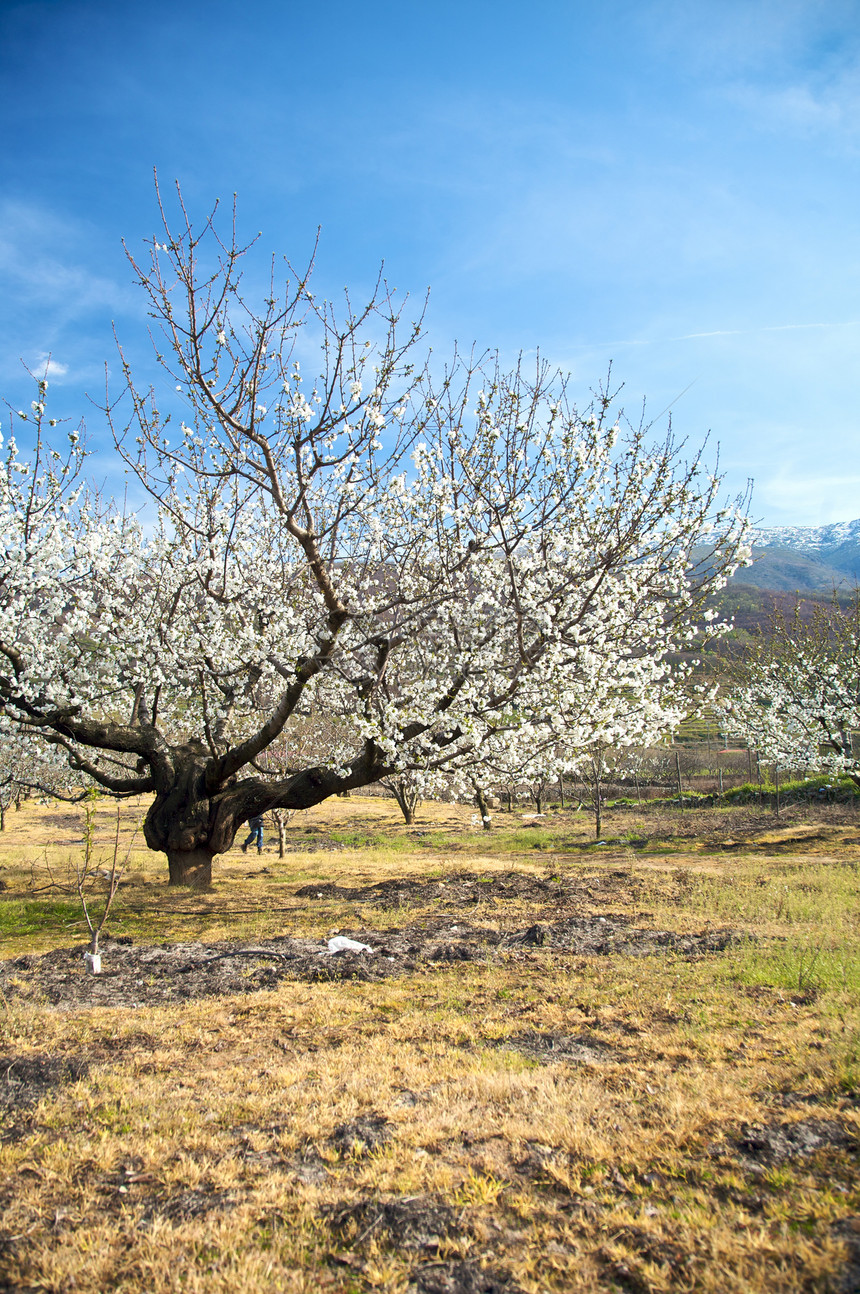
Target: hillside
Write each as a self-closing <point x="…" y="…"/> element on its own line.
<point x="750" y="605"/>
<point x="793" y="570"/>
<point x="804" y="559"/>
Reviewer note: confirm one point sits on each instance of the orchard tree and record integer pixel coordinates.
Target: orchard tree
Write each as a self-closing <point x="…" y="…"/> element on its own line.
<point x="25" y="772"/>
<point x="408" y="789"/>
<point x="795" y="694"/>
<point x="593" y="772"/>
<point x="437" y="559"/>
<point x="589" y="732"/>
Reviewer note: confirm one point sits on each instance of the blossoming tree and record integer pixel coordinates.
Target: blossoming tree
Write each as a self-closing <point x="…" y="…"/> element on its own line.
<point x="795" y="695"/>
<point x="437" y="562"/>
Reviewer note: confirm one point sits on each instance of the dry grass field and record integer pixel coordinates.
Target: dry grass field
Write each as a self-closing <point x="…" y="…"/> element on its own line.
<point x="567" y="1066"/>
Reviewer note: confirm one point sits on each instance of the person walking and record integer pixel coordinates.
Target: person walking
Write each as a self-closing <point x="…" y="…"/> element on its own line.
<point x="256" y="825"/>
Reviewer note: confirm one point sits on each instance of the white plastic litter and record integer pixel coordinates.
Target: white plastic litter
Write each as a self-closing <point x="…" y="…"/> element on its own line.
<point x="343" y="945"/>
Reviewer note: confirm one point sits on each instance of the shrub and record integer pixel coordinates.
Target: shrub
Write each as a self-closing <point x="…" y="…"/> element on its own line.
<point x="819" y="789"/>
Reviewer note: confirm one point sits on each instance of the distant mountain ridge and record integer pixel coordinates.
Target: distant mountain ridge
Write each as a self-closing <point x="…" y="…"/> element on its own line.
<point x="812" y="538"/>
<point x="804" y="559"/>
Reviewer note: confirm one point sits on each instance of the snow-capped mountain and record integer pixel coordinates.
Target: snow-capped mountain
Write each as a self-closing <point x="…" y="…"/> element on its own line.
<point x="805" y="559"/>
<point x="810" y="538"/>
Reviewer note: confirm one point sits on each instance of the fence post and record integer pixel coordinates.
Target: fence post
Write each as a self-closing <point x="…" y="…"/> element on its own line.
<point x="680" y="788"/>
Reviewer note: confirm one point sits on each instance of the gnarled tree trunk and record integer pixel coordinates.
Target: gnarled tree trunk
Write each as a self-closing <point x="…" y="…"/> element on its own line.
<point x="196" y="813"/>
<point x="189" y="823"/>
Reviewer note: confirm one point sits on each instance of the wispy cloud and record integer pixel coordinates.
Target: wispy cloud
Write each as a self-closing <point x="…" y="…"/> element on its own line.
<point x="50" y="258"/>
<point x="821" y="106"/>
<point x="44" y="365"/>
<point x="745" y="332"/>
<point x="802" y="499"/>
<point x="60" y="294"/>
<point x="719" y="332"/>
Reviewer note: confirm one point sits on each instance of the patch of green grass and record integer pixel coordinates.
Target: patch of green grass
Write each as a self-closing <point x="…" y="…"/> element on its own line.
<point x="820" y="898"/>
<point x="19" y="917"/>
<point x="797" y="965"/>
<point x="525" y="838"/>
<point x="371" y="840"/>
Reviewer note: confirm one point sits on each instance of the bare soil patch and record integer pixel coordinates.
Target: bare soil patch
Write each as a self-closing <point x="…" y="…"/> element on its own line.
<point x="465" y="888"/>
<point x="418" y="1224"/>
<point x="362" y="1136"/>
<point x="137" y="976"/>
<point x="778" y="1143"/>
<point x="848" y="1231"/>
<point x="461" y="1278"/>
<point x="581" y="1048"/>
<point x="24" y="1080"/>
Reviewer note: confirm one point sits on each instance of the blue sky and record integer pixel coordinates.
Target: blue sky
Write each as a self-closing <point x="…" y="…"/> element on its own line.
<point x="672" y="187"/>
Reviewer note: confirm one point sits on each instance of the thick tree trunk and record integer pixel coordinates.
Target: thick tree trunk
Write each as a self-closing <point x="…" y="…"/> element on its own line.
<point x="185" y="823"/>
<point x="191" y="867"/>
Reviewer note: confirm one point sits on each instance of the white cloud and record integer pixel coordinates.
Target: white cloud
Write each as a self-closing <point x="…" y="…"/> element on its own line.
<point x="45" y="365"/>
<point x="61" y="284"/>
<point x="831" y="110"/>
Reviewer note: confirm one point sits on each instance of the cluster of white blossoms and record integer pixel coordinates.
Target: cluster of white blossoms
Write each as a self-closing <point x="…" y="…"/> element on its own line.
<point x="506" y="607"/>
